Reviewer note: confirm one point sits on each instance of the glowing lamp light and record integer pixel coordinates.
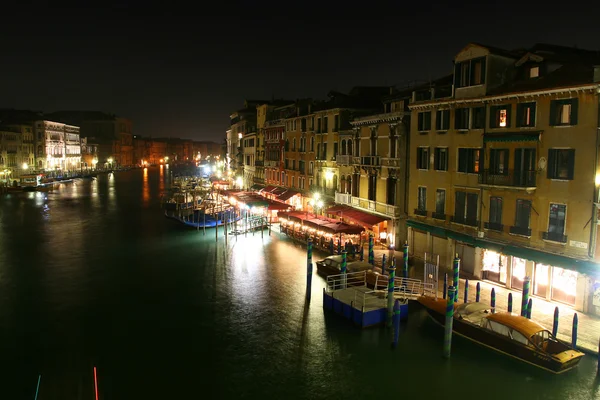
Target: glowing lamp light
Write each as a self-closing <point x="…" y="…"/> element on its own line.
<point x="161" y="160"/>
<point x="597" y="180"/>
<point x="383" y="235"/>
<point x="316" y="196"/>
<point x="110" y="160"/>
<point x="319" y="204"/>
<point x="25" y="166"/>
<point x="329" y="175"/>
<point x="239" y="181"/>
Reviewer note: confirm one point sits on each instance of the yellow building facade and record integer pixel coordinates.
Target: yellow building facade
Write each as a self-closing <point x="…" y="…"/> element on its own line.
<point x="493" y="172"/>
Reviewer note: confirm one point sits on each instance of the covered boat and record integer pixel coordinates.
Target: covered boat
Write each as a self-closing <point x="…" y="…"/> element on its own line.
<point x="507" y="333"/>
<point x="332" y="265"/>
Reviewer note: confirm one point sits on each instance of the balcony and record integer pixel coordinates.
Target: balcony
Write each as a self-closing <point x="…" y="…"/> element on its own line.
<point x="259" y="163"/>
<point x="390" y="162"/>
<point x="517" y="179"/>
<point x="459" y="219"/>
<point x="372" y="161"/>
<point x="344" y="159"/>
<point x="367" y="205"/>
<point x="517" y="230"/>
<point x="554" y="237"/>
<point x="493" y="226"/>
<point x="272" y="164"/>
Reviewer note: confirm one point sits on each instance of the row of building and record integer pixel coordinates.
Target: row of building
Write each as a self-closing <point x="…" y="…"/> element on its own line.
<point x="81" y="140"/>
<point x="479" y="163"/>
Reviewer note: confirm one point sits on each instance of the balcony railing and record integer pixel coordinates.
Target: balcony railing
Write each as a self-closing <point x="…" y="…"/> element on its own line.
<point x="344" y="159"/>
<point x="493" y="226"/>
<point x="521" y="178"/>
<point x="259" y="163"/>
<point x="366" y="205"/>
<point x="554" y="237"/>
<point x="373" y="161"/>
<point x="459" y="219"/>
<point x="390" y="162"/>
<point x="517" y="230"/>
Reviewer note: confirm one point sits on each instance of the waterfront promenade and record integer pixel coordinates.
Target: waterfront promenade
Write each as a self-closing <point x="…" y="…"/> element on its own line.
<point x="588" y="333"/>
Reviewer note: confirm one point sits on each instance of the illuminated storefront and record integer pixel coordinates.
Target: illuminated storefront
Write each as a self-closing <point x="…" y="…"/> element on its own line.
<point x="494" y="266"/>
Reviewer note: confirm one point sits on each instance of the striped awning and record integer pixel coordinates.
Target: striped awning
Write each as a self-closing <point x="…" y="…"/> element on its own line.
<point x="513" y="137"/>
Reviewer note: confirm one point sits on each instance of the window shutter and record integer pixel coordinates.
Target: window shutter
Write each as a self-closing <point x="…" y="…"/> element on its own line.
<point x="457" y="118"/>
<point x="520" y="110"/>
<point x="446" y="115"/>
<point x="533" y="112"/>
<point x="508" y="115"/>
<point x="553" y="111"/>
<point x="493" y="117"/>
<point x="574" y="110"/>
<point x="421" y="125"/>
<point x="550" y="168"/>
<point x="571" y="164"/>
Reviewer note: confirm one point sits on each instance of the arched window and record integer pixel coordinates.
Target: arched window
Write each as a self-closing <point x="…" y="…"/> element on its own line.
<point x="335" y="183"/>
<point x="344" y="147"/>
<point x="287" y="145"/>
<point x="349" y="147"/>
<point x="39" y="150"/>
<point x="312" y="144"/>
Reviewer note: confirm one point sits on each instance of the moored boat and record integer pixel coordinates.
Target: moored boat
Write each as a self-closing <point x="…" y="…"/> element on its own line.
<point x="507" y="333"/>
<point x="331" y="265"/>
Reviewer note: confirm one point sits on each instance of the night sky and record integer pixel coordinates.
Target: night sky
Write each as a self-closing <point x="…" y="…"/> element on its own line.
<point x="180" y="71"/>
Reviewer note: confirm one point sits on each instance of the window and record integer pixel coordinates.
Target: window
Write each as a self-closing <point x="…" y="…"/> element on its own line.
<point x="564" y="112"/>
<point x="522" y="218"/>
<point x="422" y="157"/>
<point x="495" y="213"/>
<point x="422" y="201"/>
<point x="534" y="71"/>
<point x="470" y="73"/>
<point x="526" y="114"/>
<point x="465" y="208"/>
<point x="440" y="203"/>
<point x="478" y="118"/>
<point x="335" y="149"/>
<point x="556" y="223"/>
<point x="461" y="118"/>
<point x="424" y="121"/>
<point x="336" y="123"/>
<point x="500" y="116"/>
<point x="441" y="159"/>
<point x="442" y="120"/>
<point x="468" y="160"/>
<point x="561" y="164"/>
<point x="498" y="161"/>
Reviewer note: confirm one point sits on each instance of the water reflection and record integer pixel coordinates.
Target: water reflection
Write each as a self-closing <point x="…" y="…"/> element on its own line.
<point x="146" y="188"/>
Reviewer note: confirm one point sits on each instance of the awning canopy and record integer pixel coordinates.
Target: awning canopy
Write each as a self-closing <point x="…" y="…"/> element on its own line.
<point x="268" y="189"/>
<point x="358" y="216"/>
<point x="278" y="191"/>
<point x="254" y="200"/>
<point x="323" y="224"/>
<point x="287" y="195"/>
<point x="534" y="136"/>
<point x="588" y="267"/>
<point x="257" y="186"/>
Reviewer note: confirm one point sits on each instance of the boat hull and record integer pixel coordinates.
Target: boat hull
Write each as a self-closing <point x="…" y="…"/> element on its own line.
<point x="500" y="343"/>
<point x="210" y="222"/>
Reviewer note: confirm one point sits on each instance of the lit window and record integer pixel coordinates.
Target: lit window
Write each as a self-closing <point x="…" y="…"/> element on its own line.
<point x="565" y="114"/>
<point x="502" y="121"/>
<point x="534" y="72"/>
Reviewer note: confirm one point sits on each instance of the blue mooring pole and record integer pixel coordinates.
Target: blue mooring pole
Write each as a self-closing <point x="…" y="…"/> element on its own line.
<point x="478" y="292"/>
<point x="383" y="264"/>
<point x="455" y="277"/>
<point x="574" y="331"/>
<point x="555" y="323"/>
<point x="37" y="389"/>
<point x="405" y="259"/>
<point x="525" y="298"/>
<point x="445" y="285"/>
<point x="529" y="307"/>
<point x="510" y="302"/>
<point x="397" y="314"/>
<point x="466" y="290"/>
<point x="309" y="267"/>
<point x="493" y="300"/>
<point x="449" y="321"/>
<point x="344" y="268"/>
<point x="390" y="299"/>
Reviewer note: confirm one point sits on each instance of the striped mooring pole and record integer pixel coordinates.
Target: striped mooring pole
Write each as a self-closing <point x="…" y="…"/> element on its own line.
<point x="445" y="292"/>
<point x="309" y="251"/>
<point x="456" y="270"/>
<point x="371" y="250"/>
<point x="344" y="268"/>
<point x="574" y="331"/>
<point x="510" y="301"/>
<point x="405" y="255"/>
<point x="397" y="313"/>
<point x="390" y="297"/>
<point x="525" y="299"/>
<point x="466" y="290"/>
<point x="493" y="300"/>
<point x="383" y="264"/>
<point x="555" y="323"/>
<point x="449" y="320"/>
<point x="529" y="307"/>
<point x="362" y="253"/>
<point x="478" y="292"/>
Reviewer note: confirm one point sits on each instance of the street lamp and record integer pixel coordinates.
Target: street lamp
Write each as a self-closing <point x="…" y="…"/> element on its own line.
<point x="25" y="166"/>
<point x="239" y="181"/>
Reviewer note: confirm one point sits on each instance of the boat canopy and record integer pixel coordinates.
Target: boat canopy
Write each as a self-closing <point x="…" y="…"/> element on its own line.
<point x="523" y="325"/>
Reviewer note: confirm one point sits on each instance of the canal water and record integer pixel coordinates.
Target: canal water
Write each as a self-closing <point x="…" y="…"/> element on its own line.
<point x="91" y="274"/>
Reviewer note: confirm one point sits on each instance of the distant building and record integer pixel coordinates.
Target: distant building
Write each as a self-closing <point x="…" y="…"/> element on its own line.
<point x="58" y="146"/>
<point x="89" y="154"/>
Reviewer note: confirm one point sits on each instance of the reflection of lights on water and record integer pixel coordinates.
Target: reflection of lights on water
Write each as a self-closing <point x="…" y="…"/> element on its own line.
<point x="146" y="188"/>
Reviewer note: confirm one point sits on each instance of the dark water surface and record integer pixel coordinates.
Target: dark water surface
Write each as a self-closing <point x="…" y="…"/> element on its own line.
<point x="92" y="274"/>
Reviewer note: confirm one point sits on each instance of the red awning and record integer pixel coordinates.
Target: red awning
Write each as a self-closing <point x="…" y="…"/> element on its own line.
<point x="287" y="195"/>
<point x="278" y="191"/>
<point x="268" y="189"/>
<point x="358" y="216"/>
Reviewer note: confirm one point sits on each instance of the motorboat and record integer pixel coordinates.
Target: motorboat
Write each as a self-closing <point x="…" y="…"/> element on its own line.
<point x="506" y="333"/>
<point x="332" y="265"/>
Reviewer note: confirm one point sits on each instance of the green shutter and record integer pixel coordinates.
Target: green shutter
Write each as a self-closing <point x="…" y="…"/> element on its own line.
<point x="420" y="122"/>
<point x="508" y="115"/>
<point x="551" y="162"/>
<point x="574" y="110"/>
<point x="553" y="110"/>
<point x="533" y="113"/>
<point x="520" y="110"/>
<point x="571" y="164"/>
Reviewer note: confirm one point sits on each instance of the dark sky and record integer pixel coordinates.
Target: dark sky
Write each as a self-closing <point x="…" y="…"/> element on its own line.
<point x="180" y="69"/>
